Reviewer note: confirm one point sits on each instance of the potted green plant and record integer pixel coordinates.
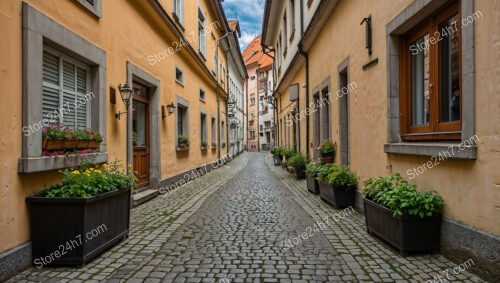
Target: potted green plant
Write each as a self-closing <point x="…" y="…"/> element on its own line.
<point x="214" y="146"/>
<point x="299" y="162"/>
<point x="398" y="213"/>
<point x="183" y="143"/>
<point x="63" y="215"/>
<point x="312" y="170"/>
<point x="204" y="145"/>
<point x="338" y="186"/>
<point x="277" y="155"/>
<point x="327" y="151"/>
<point x="223" y="145"/>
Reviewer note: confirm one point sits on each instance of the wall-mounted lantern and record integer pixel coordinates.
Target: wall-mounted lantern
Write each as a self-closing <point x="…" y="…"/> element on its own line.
<point x="126" y="94"/>
<point x="368" y="33"/>
<point x="171" y="108"/>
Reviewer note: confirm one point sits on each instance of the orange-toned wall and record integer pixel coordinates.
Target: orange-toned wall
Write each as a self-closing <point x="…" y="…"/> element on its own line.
<point x="127" y="31"/>
<point x="470" y="188"/>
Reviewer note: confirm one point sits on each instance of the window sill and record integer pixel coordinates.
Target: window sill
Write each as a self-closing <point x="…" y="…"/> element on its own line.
<point x="433" y="149"/>
<point x="179" y="83"/>
<point x="45" y="163"/>
<point x="203" y="100"/>
<point x="178" y="21"/>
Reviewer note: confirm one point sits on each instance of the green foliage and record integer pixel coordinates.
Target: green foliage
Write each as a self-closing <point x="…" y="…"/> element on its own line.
<point x="183" y="140"/>
<point x="341" y="176"/>
<point x="90" y="180"/>
<point x="327" y="147"/>
<point x="277" y="151"/>
<point x="59" y="132"/>
<point x="313" y="168"/>
<point x="298" y="162"/>
<point x="401" y="197"/>
<point x="324" y="170"/>
<point x="289" y="152"/>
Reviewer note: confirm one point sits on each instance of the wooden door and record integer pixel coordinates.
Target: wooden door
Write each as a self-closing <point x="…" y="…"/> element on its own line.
<point x="141" y="138"/>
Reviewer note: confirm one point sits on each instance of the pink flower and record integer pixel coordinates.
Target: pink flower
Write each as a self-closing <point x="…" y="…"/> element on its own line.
<point x="83" y="152"/>
<point x="45" y="153"/>
<point x="90" y="150"/>
<point x="54" y="154"/>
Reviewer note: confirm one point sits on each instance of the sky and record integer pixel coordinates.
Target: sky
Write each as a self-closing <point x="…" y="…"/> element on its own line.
<point x="250" y="14"/>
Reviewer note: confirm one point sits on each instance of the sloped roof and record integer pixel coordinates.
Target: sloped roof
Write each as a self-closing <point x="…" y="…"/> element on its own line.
<point x="234" y="25"/>
<point x="254" y="54"/>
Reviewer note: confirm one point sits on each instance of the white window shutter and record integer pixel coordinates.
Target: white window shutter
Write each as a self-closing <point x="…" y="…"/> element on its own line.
<point x="50" y="89"/>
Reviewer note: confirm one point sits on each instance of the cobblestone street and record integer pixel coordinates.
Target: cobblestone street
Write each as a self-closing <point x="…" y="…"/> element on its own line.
<point x="229" y="226"/>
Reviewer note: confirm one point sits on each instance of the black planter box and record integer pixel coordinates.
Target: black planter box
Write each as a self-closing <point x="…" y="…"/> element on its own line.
<point x="337" y="196"/>
<point x="406" y="233"/>
<point x="73" y="231"/>
<point x="300" y="174"/>
<point x="312" y="184"/>
<point x="277" y="160"/>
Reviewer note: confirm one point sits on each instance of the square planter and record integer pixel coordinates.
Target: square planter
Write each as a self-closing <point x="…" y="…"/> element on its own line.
<point x="328" y="158"/>
<point x="73" y="231"/>
<point x="337" y="196"/>
<point x="406" y="233"/>
<point x="312" y="184"/>
<point x="277" y="160"/>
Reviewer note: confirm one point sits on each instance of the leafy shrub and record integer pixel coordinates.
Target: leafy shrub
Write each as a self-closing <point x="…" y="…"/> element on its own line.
<point x="324" y="170"/>
<point x="289" y="152"/>
<point x="298" y="162"/>
<point x="401" y="197"/>
<point x="183" y="140"/>
<point x="313" y="168"/>
<point x="91" y="180"/>
<point x="277" y="151"/>
<point x="341" y="176"/>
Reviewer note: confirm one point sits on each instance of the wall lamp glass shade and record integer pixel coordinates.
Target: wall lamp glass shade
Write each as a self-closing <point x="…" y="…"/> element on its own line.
<point x="126" y="94"/>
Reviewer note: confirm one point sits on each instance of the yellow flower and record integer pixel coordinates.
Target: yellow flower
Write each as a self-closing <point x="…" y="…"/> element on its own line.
<point x="76" y="172"/>
<point x="91" y="169"/>
<point x="98" y="171"/>
<point x="105" y="165"/>
<point x="122" y="165"/>
<point x="130" y="166"/>
<point x="88" y="175"/>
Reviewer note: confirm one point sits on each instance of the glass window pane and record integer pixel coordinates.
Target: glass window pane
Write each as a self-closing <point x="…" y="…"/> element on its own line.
<point x="420" y="84"/>
<point x="449" y="72"/>
<point x="139" y="123"/>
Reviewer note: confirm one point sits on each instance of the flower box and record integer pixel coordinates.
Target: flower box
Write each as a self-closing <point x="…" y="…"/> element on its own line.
<point x="406" y="233"/>
<point x="52" y="144"/>
<point x="336" y="195"/>
<point x="73" y="231"/>
<point x="312" y="184"/>
<point x="93" y="144"/>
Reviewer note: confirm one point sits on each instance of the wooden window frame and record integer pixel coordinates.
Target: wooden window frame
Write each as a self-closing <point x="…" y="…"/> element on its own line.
<point x="434" y="130"/>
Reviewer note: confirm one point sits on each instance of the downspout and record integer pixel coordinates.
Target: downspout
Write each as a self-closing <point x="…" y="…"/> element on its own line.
<point x="218" y="99"/>
<point x="227" y="99"/>
<point x="306" y="56"/>
<point x="246" y="105"/>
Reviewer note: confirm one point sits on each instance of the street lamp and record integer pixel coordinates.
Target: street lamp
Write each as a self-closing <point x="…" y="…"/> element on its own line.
<point x="126" y="93"/>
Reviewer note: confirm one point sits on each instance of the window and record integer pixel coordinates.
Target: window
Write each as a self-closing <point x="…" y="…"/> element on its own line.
<point x="202" y="39"/>
<point x="292" y="18"/>
<point x="222" y="135"/>
<point x="267" y="124"/>
<point x="261" y="128"/>
<point x="252" y="78"/>
<point x="252" y="135"/>
<point x="94" y="6"/>
<point x="179" y="10"/>
<point x="179" y="76"/>
<point x="65" y="90"/>
<point x="252" y="99"/>
<point x="182" y="117"/>
<point x="431" y="92"/>
<point x="214" y="125"/>
<point x="285" y="32"/>
<point x="202" y="95"/>
<point x="215" y="65"/>
<point x="203" y="127"/>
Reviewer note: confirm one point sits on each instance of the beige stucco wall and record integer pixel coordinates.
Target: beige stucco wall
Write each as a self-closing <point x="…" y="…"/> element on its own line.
<point x="471" y="188"/>
<point x="128" y="31"/>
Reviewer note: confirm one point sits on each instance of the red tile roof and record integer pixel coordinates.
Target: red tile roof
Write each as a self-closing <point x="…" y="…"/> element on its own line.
<point x="254" y="54"/>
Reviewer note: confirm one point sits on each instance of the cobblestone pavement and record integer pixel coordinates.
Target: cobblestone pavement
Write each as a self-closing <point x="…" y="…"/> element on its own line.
<point x="229" y="226"/>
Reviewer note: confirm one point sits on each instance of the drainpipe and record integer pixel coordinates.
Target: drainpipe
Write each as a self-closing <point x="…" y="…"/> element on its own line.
<point x="306" y="56"/>
<point x="227" y="99"/>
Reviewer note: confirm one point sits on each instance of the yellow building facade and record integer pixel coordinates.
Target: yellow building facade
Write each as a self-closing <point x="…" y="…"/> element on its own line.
<point x="165" y="50"/>
<point x="354" y="86"/>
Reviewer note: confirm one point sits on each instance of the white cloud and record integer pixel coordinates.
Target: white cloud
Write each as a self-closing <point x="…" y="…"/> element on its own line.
<point x="245" y="39"/>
